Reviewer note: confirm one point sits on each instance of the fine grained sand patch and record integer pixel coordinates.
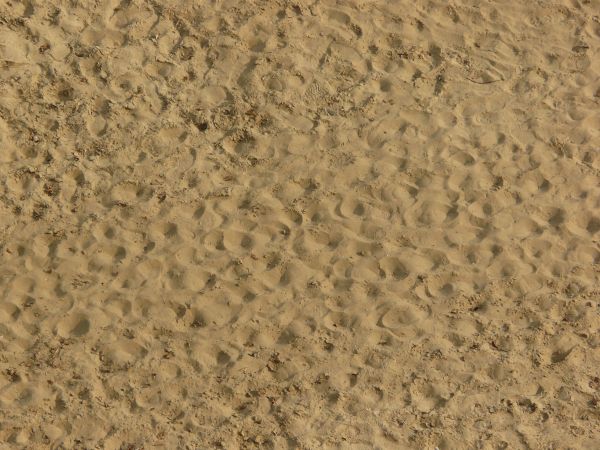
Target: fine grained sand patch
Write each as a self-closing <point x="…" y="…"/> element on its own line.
<point x="318" y="224"/>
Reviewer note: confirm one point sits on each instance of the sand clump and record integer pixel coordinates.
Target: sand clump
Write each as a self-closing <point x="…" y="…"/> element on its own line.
<point x="304" y="225"/>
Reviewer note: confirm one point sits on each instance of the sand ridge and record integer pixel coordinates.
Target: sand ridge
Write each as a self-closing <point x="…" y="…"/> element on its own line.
<point x="310" y="224"/>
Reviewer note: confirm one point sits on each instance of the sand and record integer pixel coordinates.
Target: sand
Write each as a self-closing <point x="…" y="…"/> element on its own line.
<point x="299" y="225"/>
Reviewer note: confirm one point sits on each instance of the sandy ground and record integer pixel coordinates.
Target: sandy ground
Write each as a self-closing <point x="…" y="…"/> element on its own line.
<point x="299" y="225"/>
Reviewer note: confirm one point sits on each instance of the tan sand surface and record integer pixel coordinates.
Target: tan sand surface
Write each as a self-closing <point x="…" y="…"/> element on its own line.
<point x="311" y="224"/>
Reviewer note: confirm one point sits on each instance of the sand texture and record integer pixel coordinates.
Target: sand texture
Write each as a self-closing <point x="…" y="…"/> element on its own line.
<point x="311" y="224"/>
